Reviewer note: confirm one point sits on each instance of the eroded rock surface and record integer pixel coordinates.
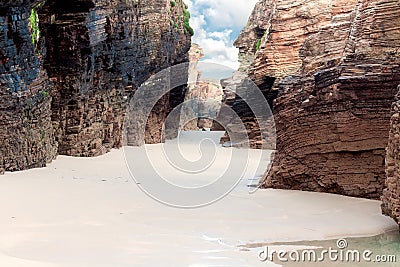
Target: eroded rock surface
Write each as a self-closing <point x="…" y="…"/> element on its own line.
<point x="26" y="135"/>
<point x="391" y="195"/>
<point x="202" y="105"/>
<point x="96" y="52"/>
<point x="67" y="93"/>
<point x="249" y="41"/>
<point x="203" y="98"/>
<point x="335" y="68"/>
<point x="248" y="131"/>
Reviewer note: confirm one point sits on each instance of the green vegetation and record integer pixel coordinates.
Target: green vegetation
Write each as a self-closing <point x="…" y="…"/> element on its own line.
<point x="186" y="18"/>
<point x="258" y="44"/>
<point x="186" y="14"/>
<point x="34" y="24"/>
<point x="189" y="28"/>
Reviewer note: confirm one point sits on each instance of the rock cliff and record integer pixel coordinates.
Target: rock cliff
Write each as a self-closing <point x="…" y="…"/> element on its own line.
<point x="254" y="134"/>
<point x="26" y="135"/>
<point x="68" y="68"/>
<point x="391" y="195"/>
<point x="334" y="68"/>
<point x="248" y="43"/>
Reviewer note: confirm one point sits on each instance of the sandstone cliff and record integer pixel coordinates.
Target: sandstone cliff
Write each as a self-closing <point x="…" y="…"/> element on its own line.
<point x="248" y="42"/>
<point x="391" y="195"/>
<point x="334" y="67"/>
<point x="66" y="91"/>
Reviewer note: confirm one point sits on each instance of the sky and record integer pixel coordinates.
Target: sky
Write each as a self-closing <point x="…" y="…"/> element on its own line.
<point x="217" y="24"/>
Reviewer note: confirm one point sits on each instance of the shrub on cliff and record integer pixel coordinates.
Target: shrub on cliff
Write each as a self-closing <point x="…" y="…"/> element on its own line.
<point x="258" y="45"/>
<point x="186" y="18"/>
<point x="34" y="25"/>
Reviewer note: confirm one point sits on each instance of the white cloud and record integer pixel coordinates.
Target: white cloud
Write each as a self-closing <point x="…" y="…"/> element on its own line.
<point x="225" y="13"/>
<point x="216" y="24"/>
<point x="224" y="35"/>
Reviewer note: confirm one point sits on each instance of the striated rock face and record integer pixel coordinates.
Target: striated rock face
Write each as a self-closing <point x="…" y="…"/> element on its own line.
<point x="7" y="6"/>
<point x="335" y="68"/>
<point x="67" y="93"/>
<point x="98" y="50"/>
<point x="250" y="37"/>
<point x="253" y="134"/>
<point x="248" y="43"/>
<point x="26" y="136"/>
<point x="391" y="195"/>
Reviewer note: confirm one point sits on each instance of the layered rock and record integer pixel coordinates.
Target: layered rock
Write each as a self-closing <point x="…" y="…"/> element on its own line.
<point x="391" y="195"/>
<point x="251" y="131"/>
<point x="96" y="52"/>
<point x="26" y="136"/>
<point x="67" y="92"/>
<point x="248" y="42"/>
<point x="334" y="65"/>
<point x="7" y="6"/>
<point x="250" y="37"/>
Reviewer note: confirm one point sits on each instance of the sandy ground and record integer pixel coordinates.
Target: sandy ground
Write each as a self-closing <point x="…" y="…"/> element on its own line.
<point x="85" y="212"/>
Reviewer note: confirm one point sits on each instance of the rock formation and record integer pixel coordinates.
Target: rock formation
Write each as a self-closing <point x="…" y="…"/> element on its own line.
<point x="254" y="134"/>
<point x="196" y="53"/>
<point x="391" y="195"/>
<point x="26" y="135"/>
<point x="259" y="136"/>
<point x="203" y="98"/>
<point x="66" y="90"/>
<point x="334" y="67"/>
<point x="202" y="105"/>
